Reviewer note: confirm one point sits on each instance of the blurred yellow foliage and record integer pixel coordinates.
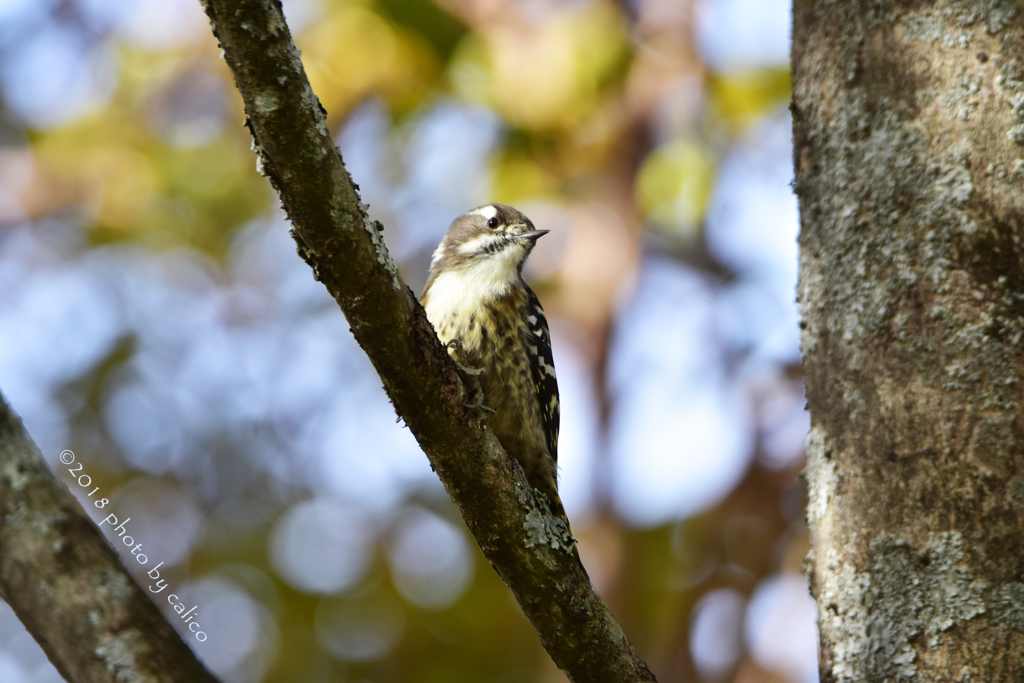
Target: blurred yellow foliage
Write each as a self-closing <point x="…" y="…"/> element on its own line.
<point x="141" y="178"/>
<point x="518" y="176"/>
<point x="743" y="98"/>
<point x="542" y="76"/>
<point x="136" y="185"/>
<point x="353" y="51"/>
<point x="674" y="185"/>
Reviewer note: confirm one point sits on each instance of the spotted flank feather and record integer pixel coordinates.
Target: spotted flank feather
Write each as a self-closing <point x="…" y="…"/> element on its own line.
<point x="543" y="371"/>
<point x="476" y="294"/>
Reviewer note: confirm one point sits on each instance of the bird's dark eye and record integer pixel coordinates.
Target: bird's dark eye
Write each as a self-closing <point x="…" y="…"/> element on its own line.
<point x="493" y="223"/>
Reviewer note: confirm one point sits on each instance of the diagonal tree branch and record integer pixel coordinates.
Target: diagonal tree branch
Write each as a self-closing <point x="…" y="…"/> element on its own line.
<point x="347" y="254"/>
<point x="67" y="585"/>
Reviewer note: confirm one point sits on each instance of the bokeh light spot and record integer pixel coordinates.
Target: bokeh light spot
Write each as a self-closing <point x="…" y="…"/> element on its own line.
<point x="716" y="628"/>
<point x="321" y="546"/>
<point x="359" y="629"/>
<point x="430" y="559"/>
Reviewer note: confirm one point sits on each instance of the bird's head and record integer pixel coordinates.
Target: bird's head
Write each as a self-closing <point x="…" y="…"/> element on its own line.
<point x="489" y="243"/>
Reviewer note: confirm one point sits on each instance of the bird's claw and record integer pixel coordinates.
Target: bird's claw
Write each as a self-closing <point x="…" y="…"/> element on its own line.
<point x="479" y="404"/>
<point x="471" y="374"/>
<point x="460" y="353"/>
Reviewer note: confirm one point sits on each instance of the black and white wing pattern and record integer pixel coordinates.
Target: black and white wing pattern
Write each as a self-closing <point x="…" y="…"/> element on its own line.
<point x="542" y="366"/>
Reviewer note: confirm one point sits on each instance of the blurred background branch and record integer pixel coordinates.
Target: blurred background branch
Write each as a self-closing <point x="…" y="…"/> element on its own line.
<point x="156" y="321"/>
<point x="67" y="585"/>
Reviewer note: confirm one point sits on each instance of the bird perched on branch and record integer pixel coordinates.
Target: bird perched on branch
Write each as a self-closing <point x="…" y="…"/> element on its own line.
<point x="495" y="329"/>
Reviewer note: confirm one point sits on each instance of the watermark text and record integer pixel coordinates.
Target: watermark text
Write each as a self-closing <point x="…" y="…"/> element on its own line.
<point x="121" y="528"/>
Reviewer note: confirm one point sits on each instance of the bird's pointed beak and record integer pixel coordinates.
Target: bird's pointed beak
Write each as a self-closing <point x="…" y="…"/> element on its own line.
<point x="533" y="234"/>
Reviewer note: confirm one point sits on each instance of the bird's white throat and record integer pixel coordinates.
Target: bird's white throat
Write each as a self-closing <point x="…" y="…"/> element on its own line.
<point x="473" y="283"/>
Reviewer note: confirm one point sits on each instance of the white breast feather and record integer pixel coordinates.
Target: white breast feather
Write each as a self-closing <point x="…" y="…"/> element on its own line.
<point x="455" y="294"/>
<point x="438" y="255"/>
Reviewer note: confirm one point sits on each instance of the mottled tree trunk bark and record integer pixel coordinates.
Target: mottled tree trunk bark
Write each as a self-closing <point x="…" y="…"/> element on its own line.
<point x="908" y="131"/>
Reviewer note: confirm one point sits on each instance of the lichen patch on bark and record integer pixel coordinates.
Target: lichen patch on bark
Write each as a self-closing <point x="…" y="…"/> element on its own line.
<point x="876" y="615"/>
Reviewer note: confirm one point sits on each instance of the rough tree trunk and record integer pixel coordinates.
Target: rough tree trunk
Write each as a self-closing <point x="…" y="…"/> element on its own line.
<point x="908" y="132"/>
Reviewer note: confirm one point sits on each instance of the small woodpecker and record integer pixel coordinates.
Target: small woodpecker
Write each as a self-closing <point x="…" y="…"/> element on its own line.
<point x="495" y="329"/>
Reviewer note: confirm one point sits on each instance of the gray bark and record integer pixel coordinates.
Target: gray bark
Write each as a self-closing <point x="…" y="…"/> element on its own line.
<point x="514" y="528"/>
<point x="908" y="131"/>
<point x="68" y="586"/>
